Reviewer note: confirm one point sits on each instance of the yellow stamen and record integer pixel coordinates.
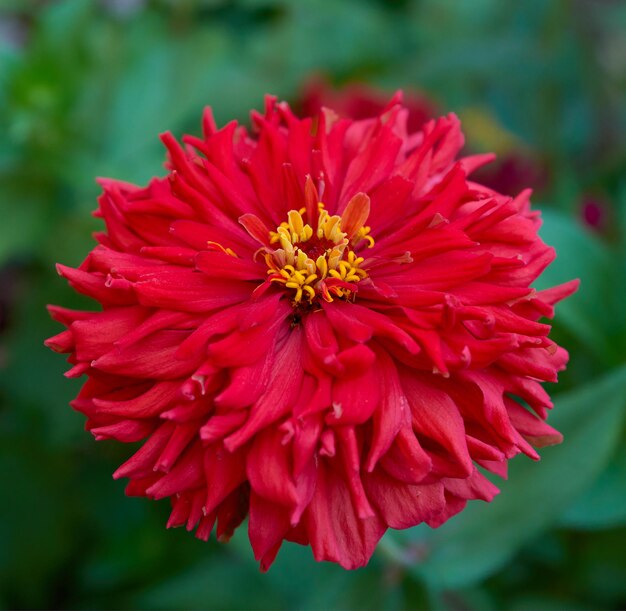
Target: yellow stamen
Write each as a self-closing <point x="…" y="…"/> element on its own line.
<point x="363" y="234"/>
<point x="294" y="278"/>
<point x="291" y="265"/>
<point x="219" y="247"/>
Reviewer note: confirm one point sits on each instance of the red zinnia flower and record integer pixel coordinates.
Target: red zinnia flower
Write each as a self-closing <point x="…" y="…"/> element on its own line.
<point x="360" y="101"/>
<point x="326" y="329"/>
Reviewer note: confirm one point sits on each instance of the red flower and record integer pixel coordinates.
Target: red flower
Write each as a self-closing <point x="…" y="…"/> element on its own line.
<point x="325" y="329"/>
<point x="360" y="101"/>
<point x="595" y="212"/>
<point x="514" y="171"/>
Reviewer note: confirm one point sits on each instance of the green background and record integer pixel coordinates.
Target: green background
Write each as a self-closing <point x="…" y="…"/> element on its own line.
<point x="85" y="87"/>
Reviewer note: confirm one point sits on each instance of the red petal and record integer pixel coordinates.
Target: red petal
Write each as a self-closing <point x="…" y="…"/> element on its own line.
<point x="335" y="531"/>
<point x="392" y="413"/>
<point x="267" y="528"/>
<point x="355" y="215"/>
<point x="280" y="394"/>
<point x="436" y="418"/>
<point x="403" y="505"/>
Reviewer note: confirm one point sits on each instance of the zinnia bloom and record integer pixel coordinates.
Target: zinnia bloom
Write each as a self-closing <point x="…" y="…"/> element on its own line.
<point x="320" y="324"/>
<point x="360" y="101"/>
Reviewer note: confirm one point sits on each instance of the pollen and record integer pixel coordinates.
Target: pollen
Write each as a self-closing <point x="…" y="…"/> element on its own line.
<point x="319" y="259"/>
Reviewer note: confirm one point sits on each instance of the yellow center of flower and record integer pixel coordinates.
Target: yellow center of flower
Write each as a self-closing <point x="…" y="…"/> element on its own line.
<point x="317" y="261"/>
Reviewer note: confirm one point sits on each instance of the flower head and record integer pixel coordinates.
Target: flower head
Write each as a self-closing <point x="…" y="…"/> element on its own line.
<point x="322" y="325"/>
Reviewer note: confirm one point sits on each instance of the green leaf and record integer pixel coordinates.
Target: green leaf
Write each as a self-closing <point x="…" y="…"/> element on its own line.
<point x="591" y="314"/>
<point x="548" y="603"/>
<point x="604" y="504"/>
<point x="482" y="538"/>
<point x="601" y="568"/>
<point x="308" y="586"/>
<point x="24" y="219"/>
<point x="216" y="582"/>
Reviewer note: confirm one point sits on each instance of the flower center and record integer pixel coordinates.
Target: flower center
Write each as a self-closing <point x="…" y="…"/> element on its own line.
<point x="317" y="259"/>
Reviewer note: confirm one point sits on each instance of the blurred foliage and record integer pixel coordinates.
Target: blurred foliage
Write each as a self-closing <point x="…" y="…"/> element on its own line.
<point x="86" y="86"/>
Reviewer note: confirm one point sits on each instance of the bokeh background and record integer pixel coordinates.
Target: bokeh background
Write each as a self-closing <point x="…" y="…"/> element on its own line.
<point x="86" y="86"/>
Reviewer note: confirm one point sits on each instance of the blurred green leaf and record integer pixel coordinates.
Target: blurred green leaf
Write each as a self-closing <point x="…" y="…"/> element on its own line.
<point x="548" y="603"/>
<point x="604" y="504"/>
<point x="469" y="599"/>
<point x="32" y="370"/>
<point x="328" y="36"/>
<point x="35" y="525"/>
<point x="601" y="568"/>
<point x="23" y="221"/>
<point x="482" y="538"/>
<point x="294" y="581"/>
<point x="156" y="92"/>
<point x="213" y="583"/>
<point x="582" y="255"/>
